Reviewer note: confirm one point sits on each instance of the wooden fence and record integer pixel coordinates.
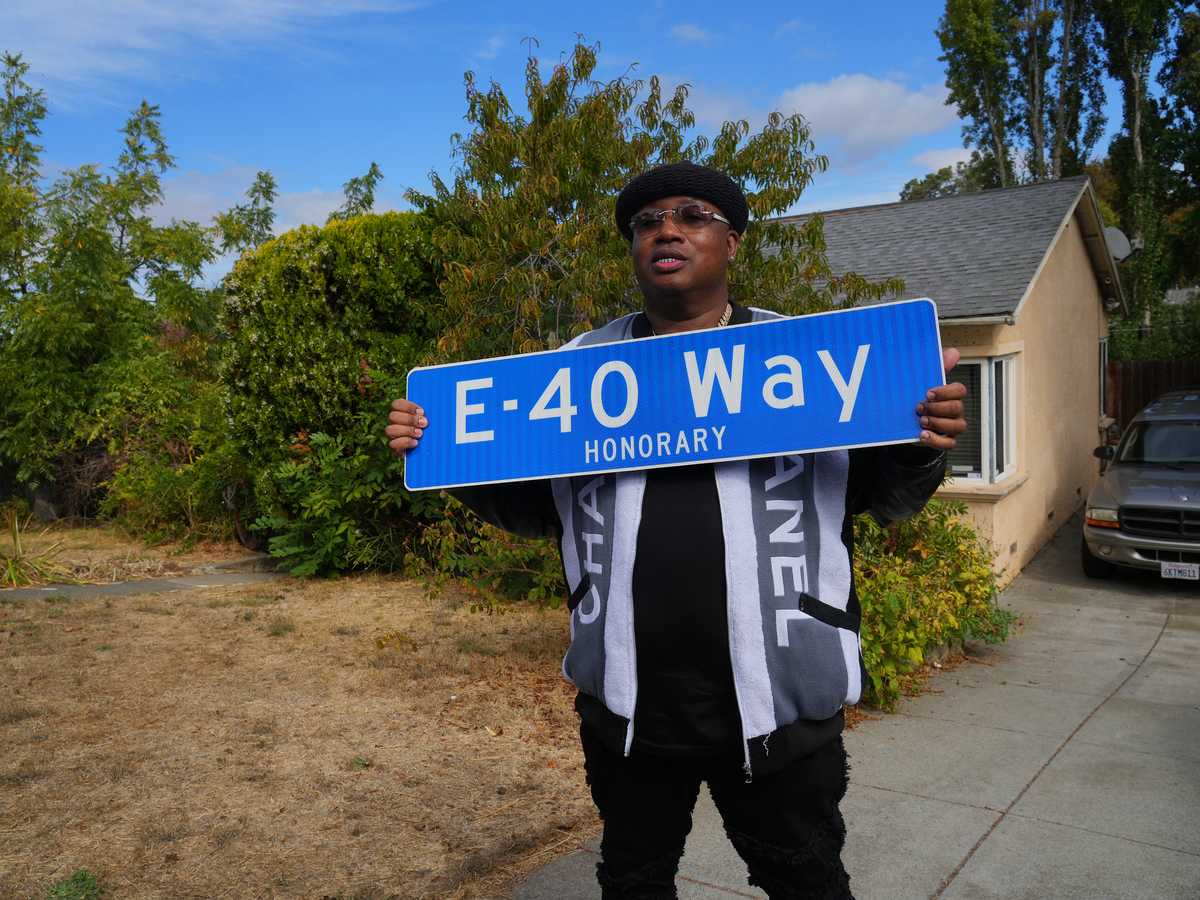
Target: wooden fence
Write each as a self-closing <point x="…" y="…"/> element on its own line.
<point x="1133" y="384"/>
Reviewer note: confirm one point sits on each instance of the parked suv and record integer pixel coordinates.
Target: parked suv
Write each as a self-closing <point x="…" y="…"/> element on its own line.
<point x="1144" y="512"/>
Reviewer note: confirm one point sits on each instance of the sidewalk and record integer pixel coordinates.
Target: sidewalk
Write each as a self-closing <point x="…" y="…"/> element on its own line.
<point x="1064" y="764"/>
<point x="249" y="570"/>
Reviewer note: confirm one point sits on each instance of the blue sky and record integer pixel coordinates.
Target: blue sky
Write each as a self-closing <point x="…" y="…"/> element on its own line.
<point x="314" y="91"/>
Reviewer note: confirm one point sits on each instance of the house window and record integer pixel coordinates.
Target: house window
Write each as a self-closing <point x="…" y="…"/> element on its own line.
<point x="987" y="450"/>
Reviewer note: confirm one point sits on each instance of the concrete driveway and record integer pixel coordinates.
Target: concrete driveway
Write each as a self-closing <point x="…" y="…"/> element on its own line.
<point x="1064" y="764"/>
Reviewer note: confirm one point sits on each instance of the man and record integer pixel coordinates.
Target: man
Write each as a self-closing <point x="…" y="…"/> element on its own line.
<point x="679" y="578"/>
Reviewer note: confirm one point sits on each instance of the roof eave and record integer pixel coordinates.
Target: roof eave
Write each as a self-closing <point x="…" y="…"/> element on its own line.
<point x="997" y="319"/>
<point x="1104" y="267"/>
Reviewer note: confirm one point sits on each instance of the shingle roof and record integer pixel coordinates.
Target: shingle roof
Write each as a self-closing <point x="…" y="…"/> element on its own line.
<point x="974" y="254"/>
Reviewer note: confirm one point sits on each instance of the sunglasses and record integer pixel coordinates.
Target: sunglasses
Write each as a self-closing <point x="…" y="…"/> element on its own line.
<point x="689" y="217"/>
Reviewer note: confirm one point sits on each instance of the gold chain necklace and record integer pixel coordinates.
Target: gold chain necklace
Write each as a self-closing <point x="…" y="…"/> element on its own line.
<point x="721" y="323"/>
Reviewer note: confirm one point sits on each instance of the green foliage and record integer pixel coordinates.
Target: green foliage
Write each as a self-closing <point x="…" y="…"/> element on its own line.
<point x="1077" y="119"/>
<point x="21" y="112"/>
<point x="533" y="256"/>
<point x="499" y="567"/>
<point x="19" y="566"/>
<point x="1025" y="76"/>
<point x="166" y="436"/>
<point x="977" y="174"/>
<point x="249" y="224"/>
<point x="337" y="504"/>
<point x="82" y="885"/>
<point x="360" y="195"/>
<point x="87" y="286"/>
<point x="923" y="583"/>
<point x="976" y="38"/>
<point x="1173" y="333"/>
<point x="1180" y="79"/>
<point x="323" y="323"/>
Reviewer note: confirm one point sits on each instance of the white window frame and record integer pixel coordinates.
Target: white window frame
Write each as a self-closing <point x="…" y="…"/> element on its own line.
<point x="988" y="473"/>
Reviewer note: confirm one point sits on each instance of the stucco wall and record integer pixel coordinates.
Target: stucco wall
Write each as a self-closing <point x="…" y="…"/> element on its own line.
<point x="1056" y="338"/>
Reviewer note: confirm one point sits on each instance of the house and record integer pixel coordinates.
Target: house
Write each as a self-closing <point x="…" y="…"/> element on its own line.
<point x="1023" y="282"/>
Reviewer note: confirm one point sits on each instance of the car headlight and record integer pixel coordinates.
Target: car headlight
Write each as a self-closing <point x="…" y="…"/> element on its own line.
<point x="1101" y="517"/>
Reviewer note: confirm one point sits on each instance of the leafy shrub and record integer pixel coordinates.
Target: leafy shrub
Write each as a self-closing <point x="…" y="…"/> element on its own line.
<point x="160" y="417"/>
<point x="338" y="502"/>
<point x="923" y="583"/>
<point x="1173" y="333"/>
<point x="499" y="567"/>
<point x="322" y="324"/>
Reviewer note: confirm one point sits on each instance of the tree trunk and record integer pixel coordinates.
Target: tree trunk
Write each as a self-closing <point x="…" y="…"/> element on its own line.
<point x="1064" y="68"/>
<point x="1136" y="131"/>
<point x="995" y="120"/>
<point x="1035" y="96"/>
<point x="1001" y="163"/>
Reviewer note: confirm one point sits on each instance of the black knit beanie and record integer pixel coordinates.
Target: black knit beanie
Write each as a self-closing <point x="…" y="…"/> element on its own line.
<point x="683" y="179"/>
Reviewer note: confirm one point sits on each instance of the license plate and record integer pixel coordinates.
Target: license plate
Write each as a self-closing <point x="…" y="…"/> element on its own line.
<point x="1186" y="571"/>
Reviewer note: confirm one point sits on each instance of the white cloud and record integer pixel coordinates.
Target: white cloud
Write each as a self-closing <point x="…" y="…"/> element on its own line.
<point x="859" y="117"/>
<point x="490" y="48"/>
<point x="713" y="109"/>
<point x="932" y="160"/>
<point x="311" y="207"/>
<point x="83" y="43"/>
<point x="691" y="34"/>
<point x="198" y="196"/>
<point x="847" y="199"/>
<point x="792" y="26"/>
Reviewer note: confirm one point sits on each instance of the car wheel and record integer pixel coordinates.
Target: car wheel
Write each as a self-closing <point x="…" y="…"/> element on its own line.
<point x="1092" y="567"/>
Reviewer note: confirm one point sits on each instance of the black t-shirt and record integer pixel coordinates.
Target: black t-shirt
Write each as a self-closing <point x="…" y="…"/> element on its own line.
<point x="686" y="703"/>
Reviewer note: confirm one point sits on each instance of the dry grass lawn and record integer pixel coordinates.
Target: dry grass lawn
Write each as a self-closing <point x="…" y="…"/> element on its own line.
<point x="104" y="554"/>
<point x="351" y="739"/>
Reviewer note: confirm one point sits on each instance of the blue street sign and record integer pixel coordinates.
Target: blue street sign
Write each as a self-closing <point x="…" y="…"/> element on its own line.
<point x="850" y="378"/>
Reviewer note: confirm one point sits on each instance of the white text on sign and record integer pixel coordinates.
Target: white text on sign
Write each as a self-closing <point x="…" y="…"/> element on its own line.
<point x="720" y="378"/>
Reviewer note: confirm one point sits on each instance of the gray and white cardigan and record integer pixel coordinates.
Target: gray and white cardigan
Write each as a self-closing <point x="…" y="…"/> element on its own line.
<point x="793" y="613"/>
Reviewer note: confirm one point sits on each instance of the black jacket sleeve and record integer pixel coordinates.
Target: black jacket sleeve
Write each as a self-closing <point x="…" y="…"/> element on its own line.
<point x="525" y="508"/>
<point x="893" y="483"/>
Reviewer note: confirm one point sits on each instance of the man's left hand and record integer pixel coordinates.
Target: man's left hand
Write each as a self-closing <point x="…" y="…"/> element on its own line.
<point x="941" y="414"/>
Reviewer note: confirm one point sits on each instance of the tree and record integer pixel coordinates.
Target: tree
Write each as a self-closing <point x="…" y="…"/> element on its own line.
<point x="100" y="284"/>
<point x="976" y="36"/>
<point x="21" y="112"/>
<point x="1078" y="119"/>
<point x="360" y="195"/>
<point x="1032" y="41"/>
<point x="532" y="253"/>
<point x="1132" y="33"/>
<point x="1180" y="79"/>
<point x="977" y="174"/>
<point x="249" y="225"/>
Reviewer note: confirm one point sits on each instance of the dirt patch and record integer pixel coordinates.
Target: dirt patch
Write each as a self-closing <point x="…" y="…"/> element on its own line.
<point x="103" y="554"/>
<point x="343" y="739"/>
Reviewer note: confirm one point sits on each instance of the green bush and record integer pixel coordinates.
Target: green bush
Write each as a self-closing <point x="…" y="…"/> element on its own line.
<point x="322" y="325"/>
<point x="497" y="566"/>
<point x="1173" y="333"/>
<point x="174" y="465"/>
<point x="338" y="502"/>
<point x="923" y="583"/>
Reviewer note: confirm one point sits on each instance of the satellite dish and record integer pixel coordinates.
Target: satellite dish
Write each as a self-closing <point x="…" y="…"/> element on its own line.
<point x="1118" y="244"/>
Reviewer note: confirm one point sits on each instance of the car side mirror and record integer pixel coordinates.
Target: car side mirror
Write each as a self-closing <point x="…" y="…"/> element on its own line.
<point x="1105" y="452"/>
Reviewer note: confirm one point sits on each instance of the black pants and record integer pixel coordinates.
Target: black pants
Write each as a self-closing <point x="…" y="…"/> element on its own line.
<point x="786" y="826"/>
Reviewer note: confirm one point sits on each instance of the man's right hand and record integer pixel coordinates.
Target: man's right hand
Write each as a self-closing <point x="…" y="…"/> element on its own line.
<point x="406" y="424"/>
